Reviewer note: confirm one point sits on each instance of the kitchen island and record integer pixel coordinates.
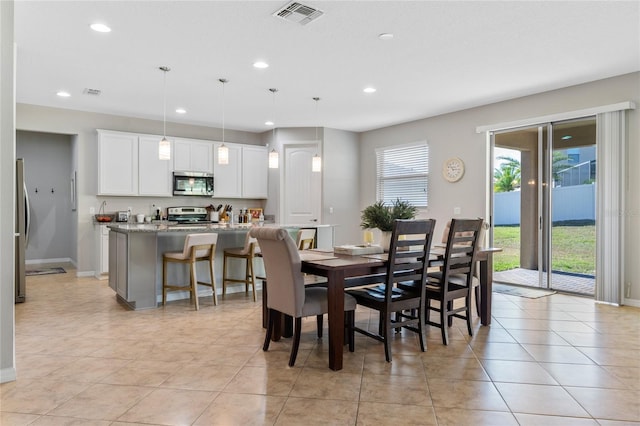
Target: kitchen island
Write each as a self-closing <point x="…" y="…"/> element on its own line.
<point x="135" y="258"/>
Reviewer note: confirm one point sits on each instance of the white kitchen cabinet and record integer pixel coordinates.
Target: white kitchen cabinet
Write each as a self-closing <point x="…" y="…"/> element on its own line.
<point x="255" y="170"/>
<point x="117" y="163"/>
<point x="102" y="248"/>
<point x="154" y="175"/>
<point x="227" y="178"/>
<point x="192" y="155"/>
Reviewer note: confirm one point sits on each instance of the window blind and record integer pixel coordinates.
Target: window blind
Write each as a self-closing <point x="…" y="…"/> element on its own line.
<point x="403" y="172"/>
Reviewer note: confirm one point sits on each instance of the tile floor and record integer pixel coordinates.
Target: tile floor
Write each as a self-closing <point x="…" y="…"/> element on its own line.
<point x="82" y="359"/>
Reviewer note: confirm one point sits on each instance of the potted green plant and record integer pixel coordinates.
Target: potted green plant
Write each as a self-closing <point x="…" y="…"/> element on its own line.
<point x="380" y="215"/>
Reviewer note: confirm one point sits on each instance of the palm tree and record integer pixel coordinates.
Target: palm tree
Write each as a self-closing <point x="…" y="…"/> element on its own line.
<point x="507" y="176"/>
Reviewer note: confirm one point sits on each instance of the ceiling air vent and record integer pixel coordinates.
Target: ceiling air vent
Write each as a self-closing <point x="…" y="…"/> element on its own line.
<point x="299" y="13"/>
<point x="93" y="92"/>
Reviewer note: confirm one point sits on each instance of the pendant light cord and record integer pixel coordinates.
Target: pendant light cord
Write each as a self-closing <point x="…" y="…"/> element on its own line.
<point x="164" y="105"/>
<point x="223" y="81"/>
<point x="317" y="122"/>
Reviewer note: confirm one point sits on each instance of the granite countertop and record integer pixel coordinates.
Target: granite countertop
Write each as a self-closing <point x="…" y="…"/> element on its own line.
<point x="173" y="227"/>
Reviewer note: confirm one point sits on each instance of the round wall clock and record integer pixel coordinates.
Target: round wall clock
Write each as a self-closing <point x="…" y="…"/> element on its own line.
<point x="453" y="169"/>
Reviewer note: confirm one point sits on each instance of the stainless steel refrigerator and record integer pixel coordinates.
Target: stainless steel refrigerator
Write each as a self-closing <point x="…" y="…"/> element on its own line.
<point x="21" y="231"/>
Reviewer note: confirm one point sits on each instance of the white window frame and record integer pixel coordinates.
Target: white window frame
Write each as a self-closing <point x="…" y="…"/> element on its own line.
<point x="418" y="168"/>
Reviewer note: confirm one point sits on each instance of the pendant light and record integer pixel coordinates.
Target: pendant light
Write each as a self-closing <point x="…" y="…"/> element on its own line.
<point x="273" y="155"/>
<point x="164" y="146"/>
<point x="316" y="161"/>
<point x="223" y="150"/>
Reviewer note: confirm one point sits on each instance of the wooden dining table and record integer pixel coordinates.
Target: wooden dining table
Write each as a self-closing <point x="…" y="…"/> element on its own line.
<point x="338" y="269"/>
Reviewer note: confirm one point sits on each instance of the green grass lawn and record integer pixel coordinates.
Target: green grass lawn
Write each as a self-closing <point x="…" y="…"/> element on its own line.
<point x="573" y="248"/>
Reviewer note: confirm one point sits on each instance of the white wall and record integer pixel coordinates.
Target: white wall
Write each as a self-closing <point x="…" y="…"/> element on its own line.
<point x="454" y="134"/>
<point x="82" y="126"/>
<point x="7" y="189"/>
<point x="340" y="154"/>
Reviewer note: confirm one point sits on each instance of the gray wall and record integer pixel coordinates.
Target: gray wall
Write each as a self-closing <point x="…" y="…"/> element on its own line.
<point x="455" y="135"/>
<point x="82" y="126"/>
<point x="48" y="162"/>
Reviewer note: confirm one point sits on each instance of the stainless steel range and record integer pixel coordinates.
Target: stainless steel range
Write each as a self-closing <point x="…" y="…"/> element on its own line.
<point x="187" y="215"/>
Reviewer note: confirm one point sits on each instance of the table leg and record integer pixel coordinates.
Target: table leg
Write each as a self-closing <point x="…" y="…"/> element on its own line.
<point x="486" y="288"/>
<point x="335" y="295"/>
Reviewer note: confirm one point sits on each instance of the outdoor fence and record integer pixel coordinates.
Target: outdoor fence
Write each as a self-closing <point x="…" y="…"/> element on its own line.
<point x="576" y="202"/>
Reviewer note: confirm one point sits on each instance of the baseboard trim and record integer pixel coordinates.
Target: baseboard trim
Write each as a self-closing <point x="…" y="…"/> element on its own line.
<point x="7" y="375"/>
<point x="631" y="302"/>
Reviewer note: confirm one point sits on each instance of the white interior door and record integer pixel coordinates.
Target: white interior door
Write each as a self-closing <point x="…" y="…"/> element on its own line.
<point x="302" y="187"/>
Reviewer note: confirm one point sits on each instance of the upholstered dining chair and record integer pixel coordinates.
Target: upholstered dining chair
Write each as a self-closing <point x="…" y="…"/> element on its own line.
<point x="403" y="290"/>
<point x="455" y="279"/>
<point x="197" y="248"/>
<point x="287" y="293"/>
<point x="246" y="253"/>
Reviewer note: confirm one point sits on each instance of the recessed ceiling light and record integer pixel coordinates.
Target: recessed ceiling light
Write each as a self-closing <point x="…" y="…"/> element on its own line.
<point x="385" y="36"/>
<point x="260" y="65"/>
<point x="369" y="90"/>
<point x="269" y="123"/>
<point x="63" y="94"/>
<point x="101" y="28"/>
<point x="181" y="111"/>
<point x="567" y="137"/>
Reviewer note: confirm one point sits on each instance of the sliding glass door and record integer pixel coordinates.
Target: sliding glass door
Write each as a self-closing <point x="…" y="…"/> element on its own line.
<point x="544" y="205"/>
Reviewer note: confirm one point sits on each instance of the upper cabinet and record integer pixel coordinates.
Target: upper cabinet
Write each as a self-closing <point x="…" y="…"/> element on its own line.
<point x="192" y="155"/>
<point x="128" y="164"/>
<point x="154" y="175"/>
<point x="227" y="178"/>
<point x="246" y="174"/>
<point x="255" y="171"/>
<point x="117" y="163"/>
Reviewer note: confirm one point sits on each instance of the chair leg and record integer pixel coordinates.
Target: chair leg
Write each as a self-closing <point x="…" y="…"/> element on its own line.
<point x="387" y="334"/>
<point x="468" y="311"/>
<point x="296" y="341"/>
<point x="224" y="276"/>
<point x="319" y="325"/>
<point x="449" y="317"/>
<point x="164" y="282"/>
<point x="213" y="282"/>
<point x="444" y="317"/>
<point x="252" y="277"/>
<point x="246" y="277"/>
<point x="270" y="324"/>
<point x="477" y="294"/>
<point x="421" y="323"/>
<point x="194" y="284"/>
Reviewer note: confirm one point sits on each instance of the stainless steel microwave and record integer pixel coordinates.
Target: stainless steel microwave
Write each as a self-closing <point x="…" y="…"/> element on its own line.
<point x="193" y="183"/>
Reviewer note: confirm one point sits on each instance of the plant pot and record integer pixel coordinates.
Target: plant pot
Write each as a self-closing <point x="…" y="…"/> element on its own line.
<point x="385" y="240"/>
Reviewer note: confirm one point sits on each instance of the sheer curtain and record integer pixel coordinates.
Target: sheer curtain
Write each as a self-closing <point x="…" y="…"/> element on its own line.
<point x="610" y="206"/>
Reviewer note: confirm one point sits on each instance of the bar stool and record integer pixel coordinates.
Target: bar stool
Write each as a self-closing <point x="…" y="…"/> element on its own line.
<point x="247" y="253"/>
<point x="306" y="239"/>
<point x="197" y="247"/>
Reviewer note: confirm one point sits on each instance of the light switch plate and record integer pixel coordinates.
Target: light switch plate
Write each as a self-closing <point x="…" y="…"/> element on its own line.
<point x="456" y="210"/>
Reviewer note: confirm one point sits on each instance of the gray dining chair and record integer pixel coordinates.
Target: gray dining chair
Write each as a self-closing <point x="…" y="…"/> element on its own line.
<point x="400" y="298"/>
<point x="287" y="293"/>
